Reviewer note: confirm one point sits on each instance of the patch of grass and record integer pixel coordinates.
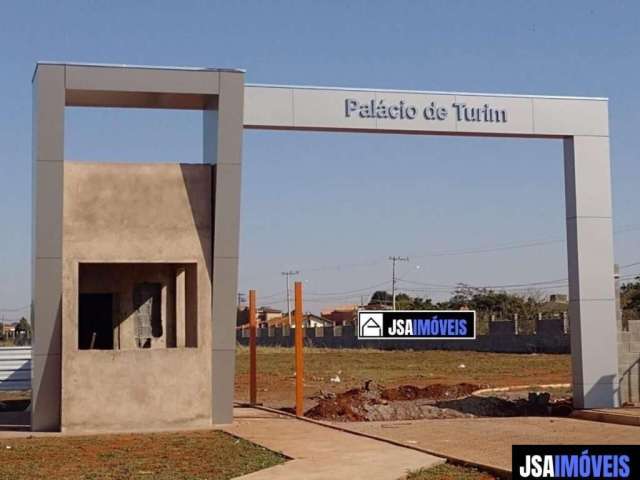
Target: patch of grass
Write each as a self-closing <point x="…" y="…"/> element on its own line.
<point x="393" y="367"/>
<point x="396" y="365"/>
<point x="212" y="455"/>
<point x="449" y="472"/>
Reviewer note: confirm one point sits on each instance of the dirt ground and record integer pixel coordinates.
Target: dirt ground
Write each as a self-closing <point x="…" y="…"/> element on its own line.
<point x="212" y="455"/>
<point x="331" y="371"/>
<point x="449" y="472"/>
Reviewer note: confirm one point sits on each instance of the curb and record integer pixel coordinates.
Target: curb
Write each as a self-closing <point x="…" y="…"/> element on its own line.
<point x="607" y="417"/>
<point x="519" y="387"/>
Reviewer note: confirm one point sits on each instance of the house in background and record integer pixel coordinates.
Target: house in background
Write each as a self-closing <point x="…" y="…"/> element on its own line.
<point x="557" y="305"/>
<point x="8" y="330"/>
<point x="309" y="320"/>
<point x="341" y="315"/>
<point x="264" y="316"/>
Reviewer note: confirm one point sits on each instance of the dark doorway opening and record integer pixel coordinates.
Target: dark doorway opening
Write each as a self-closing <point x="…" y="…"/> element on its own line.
<point x="95" y="326"/>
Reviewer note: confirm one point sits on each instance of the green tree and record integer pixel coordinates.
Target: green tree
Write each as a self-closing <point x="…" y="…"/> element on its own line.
<point x="630" y="299"/>
<point x="403" y="301"/>
<point x="24" y="326"/>
<point x="381" y="296"/>
<point x="23" y="332"/>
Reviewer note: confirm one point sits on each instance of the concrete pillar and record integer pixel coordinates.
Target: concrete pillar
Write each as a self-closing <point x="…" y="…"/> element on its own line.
<point x="164" y="311"/>
<point x="592" y="312"/>
<point x="47" y="177"/>
<point x="223" y="130"/>
<point x="181" y="307"/>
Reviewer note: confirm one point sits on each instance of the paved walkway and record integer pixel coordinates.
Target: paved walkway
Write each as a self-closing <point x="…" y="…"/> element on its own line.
<point x="487" y="441"/>
<point x="319" y="452"/>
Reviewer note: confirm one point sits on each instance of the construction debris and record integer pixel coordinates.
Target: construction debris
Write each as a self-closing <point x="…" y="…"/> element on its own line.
<point x="373" y="402"/>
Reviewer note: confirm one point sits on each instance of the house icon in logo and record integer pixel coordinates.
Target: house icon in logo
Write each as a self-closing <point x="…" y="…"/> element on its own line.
<point x="370" y="324"/>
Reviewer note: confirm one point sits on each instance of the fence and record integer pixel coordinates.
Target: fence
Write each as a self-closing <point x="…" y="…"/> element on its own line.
<point x="549" y="336"/>
<point x="15" y="368"/>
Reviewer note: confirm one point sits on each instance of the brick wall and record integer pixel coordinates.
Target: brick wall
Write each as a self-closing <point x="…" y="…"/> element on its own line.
<point x="629" y="362"/>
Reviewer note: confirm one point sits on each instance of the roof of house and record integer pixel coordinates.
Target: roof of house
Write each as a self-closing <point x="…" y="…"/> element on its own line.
<point x="318" y="318"/>
<point x="269" y="310"/>
<point x="339" y="308"/>
<point x="278" y="321"/>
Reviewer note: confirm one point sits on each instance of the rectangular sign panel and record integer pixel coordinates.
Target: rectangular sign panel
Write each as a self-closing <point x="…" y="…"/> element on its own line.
<point x="575" y="461"/>
<point x="416" y="324"/>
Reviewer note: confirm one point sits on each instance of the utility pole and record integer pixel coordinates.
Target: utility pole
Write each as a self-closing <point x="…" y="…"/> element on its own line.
<point x="395" y="259"/>
<point x="241" y="299"/>
<point x="288" y="275"/>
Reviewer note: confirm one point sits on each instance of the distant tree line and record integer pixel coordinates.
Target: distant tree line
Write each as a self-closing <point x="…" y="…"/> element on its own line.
<point x="484" y="301"/>
<point x="503" y="305"/>
<point x="630" y="299"/>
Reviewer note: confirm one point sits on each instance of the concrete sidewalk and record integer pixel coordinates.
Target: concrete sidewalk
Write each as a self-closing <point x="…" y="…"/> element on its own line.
<point x="621" y="415"/>
<point x="323" y="453"/>
<point x="487" y="441"/>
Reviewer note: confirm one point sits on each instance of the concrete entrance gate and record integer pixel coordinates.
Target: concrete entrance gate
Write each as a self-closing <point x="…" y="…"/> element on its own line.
<point x="177" y="367"/>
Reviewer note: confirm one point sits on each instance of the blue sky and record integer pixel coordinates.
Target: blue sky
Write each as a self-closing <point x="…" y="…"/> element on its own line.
<point x="335" y="206"/>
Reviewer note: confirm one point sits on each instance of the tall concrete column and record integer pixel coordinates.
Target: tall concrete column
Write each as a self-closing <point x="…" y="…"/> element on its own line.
<point x="181" y="307"/>
<point x="46" y="278"/>
<point x="223" y="128"/>
<point x="590" y="260"/>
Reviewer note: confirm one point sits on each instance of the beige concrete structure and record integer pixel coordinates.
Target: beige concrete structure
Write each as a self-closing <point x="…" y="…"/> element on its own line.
<point x="135" y="266"/>
<point x="166" y="384"/>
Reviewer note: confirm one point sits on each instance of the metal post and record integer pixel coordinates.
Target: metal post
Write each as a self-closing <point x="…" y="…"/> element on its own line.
<point x="252" y="348"/>
<point x="299" y="352"/>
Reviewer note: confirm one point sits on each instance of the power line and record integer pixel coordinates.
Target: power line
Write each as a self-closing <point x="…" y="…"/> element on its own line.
<point x="622" y="267"/>
<point x="440" y="288"/>
<point x="318" y="294"/>
<point x="462" y="284"/>
<point x="466" y="251"/>
<point x="272" y="295"/>
<point x="14" y="309"/>
<point x="504" y="247"/>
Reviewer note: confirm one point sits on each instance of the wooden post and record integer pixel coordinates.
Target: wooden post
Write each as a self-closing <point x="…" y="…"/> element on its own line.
<point x="299" y="353"/>
<point x="252" y="348"/>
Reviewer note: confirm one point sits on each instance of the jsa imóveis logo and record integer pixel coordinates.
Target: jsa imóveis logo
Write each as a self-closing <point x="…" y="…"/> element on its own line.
<point x="416" y="324"/>
<point x="575" y="461"/>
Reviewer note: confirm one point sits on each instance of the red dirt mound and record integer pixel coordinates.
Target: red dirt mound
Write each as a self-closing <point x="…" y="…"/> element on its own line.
<point x="437" y="391"/>
<point x="373" y="402"/>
